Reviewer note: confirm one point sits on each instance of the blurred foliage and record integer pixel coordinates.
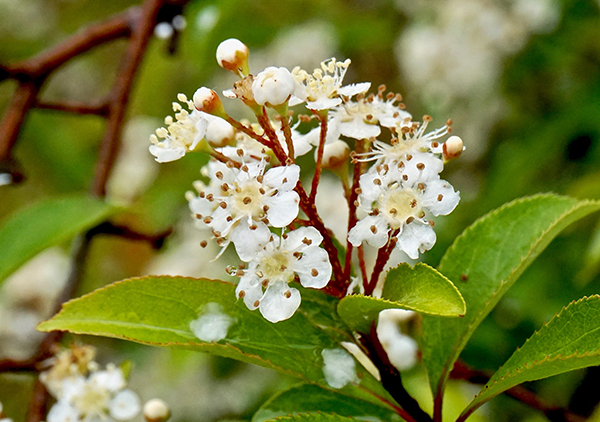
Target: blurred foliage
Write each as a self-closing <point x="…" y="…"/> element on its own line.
<point x="547" y="139"/>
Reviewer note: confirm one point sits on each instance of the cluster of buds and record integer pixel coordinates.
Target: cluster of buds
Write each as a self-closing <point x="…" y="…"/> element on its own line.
<point x="84" y="392"/>
<point x="255" y="197"/>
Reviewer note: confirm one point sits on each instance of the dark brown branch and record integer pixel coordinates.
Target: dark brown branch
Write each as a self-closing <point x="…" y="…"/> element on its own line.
<point x="552" y="412"/>
<point x="47" y="61"/>
<point x="155" y="240"/>
<point x="119" y="96"/>
<point x="39" y="402"/>
<point x="75" y="107"/>
<point x="390" y="377"/>
<point x="14" y="116"/>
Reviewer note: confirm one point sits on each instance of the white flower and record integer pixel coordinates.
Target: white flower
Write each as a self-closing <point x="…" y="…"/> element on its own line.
<point x="100" y="396"/>
<point x="413" y="140"/>
<point x="156" y="410"/>
<point x="273" y="86"/>
<point x="232" y="54"/>
<point x="295" y="254"/>
<point x="181" y="135"/>
<point x="361" y="119"/>
<point x="400" y="348"/>
<point x="397" y="203"/>
<point x="249" y="199"/>
<point x="323" y="89"/>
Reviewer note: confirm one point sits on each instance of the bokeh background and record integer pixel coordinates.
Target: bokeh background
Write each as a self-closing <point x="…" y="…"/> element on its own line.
<point x="519" y="78"/>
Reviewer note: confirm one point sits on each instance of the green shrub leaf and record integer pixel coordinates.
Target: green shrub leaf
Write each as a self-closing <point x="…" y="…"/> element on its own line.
<point x="571" y="340"/>
<point x="421" y="289"/>
<point x="45" y="224"/>
<point x="312" y="398"/>
<point x="314" y="417"/>
<point x="204" y="315"/>
<point x="485" y="261"/>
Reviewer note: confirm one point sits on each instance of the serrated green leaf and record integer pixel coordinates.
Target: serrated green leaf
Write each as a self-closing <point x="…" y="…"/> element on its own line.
<point x="571" y="340"/>
<point x="312" y="398"/>
<point x="485" y="261"/>
<point x="47" y="223"/>
<point x="421" y="289"/>
<point x="159" y="310"/>
<point x="314" y="417"/>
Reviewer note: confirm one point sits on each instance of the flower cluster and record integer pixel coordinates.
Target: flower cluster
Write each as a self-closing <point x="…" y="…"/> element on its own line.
<point x="84" y="392"/>
<point x="253" y="195"/>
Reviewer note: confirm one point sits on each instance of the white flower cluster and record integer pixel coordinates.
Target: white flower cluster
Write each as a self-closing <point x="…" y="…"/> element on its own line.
<point x="86" y="393"/>
<point x="254" y="197"/>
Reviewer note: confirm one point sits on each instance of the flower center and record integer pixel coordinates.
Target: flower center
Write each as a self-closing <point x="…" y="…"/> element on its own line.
<point x="92" y="401"/>
<point x="277" y="266"/>
<point x="247" y="199"/>
<point x="399" y="205"/>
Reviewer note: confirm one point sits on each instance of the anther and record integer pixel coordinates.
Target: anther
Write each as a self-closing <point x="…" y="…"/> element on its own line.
<point x="247" y="200"/>
<point x="203" y="244"/>
<point x="307" y="241"/>
<point x="408" y="157"/>
<point x="219" y="175"/>
<point x="259" y="178"/>
<point x="262" y="191"/>
<point x="377" y="182"/>
<point x="440" y="197"/>
<point x="420" y="166"/>
<point x="253" y="227"/>
<point x="229" y="219"/>
<point x="410" y="220"/>
<point x="208" y="220"/>
<point x="210" y="197"/>
<point x="314" y="272"/>
<point x="431" y="223"/>
<point x="199" y="216"/>
<point x="241" y="294"/>
<point x="240" y="152"/>
<point x="405" y="177"/>
<point x="373" y="229"/>
<point x="265" y="208"/>
<point x="244" y="168"/>
<point x="421" y="186"/>
<point x="256" y="303"/>
<point x="287" y="294"/>
<point x="223" y="204"/>
<point x="413" y="203"/>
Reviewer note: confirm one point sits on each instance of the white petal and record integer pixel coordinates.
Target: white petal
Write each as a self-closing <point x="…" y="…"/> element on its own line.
<point x="165" y="155"/>
<point x="449" y="198"/>
<point x="251" y="287"/>
<point x="124" y="405"/>
<point x="202" y="206"/>
<point x="275" y="306"/>
<point x="248" y="242"/>
<point x="358" y="129"/>
<point x="323" y="103"/>
<point x="282" y="177"/>
<point x="283" y="208"/>
<point x="416" y="237"/>
<point x="62" y="411"/>
<point x="295" y="238"/>
<point x="363" y="232"/>
<point x="431" y="167"/>
<point x="111" y="379"/>
<point x="314" y="268"/>
<point x="353" y="89"/>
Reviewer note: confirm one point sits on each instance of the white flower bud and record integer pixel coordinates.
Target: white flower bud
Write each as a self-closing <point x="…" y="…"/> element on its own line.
<point x="156" y="410"/>
<point x="453" y="147"/>
<point x="335" y="154"/>
<point x="273" y="86"/>
<point x="208" y="101"/>
<point x="232" y="54"/>
<point x="219" y="133"/>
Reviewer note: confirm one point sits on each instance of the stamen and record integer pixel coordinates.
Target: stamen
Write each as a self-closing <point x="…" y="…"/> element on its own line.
<point x="314" y="272"/>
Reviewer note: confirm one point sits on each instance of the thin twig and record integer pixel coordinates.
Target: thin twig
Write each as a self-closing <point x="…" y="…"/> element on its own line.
<point x="320" y="149"/>
<point x="552" y="412"/>
<point x="75" y="107"/>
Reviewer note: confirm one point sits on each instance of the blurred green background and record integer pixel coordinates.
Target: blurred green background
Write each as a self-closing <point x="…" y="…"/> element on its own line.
<point x="519" y="78"/>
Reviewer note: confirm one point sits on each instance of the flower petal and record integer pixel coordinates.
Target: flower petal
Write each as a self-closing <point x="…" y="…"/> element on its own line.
<point x="279" y="302"/>
<point x="416" y="237"/>
<point x="314" y="268"/>
<point x="124" y="405"/>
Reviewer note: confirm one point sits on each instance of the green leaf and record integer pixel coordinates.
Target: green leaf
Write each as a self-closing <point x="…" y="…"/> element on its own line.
<point x="312" y="398"/>
<point x="314" y="417"/>
<point x="164" y="311"/>
<point x="421" y="289"/>
<point x="571" y="340"/>
<point x="484" y="262"/>
<point x="47" y="223"/>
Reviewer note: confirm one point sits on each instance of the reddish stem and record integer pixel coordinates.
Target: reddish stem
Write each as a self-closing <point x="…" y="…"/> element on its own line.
<point x="320" y="149"/>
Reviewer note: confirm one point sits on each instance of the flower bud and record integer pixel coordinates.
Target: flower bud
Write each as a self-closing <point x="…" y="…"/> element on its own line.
<point x="453" y="147"/>
<point x="273" y="86"/>
<point x="335" y="154"/>
<point x="208" y="101"/>
<point x="156" y="410"/>
<point x="219" y="133"/>
<point x="232" y="55"/>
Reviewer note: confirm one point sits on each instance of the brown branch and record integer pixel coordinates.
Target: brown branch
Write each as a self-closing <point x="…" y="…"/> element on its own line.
<point x="14" y="117"/>
<point x="552" y="412"/>
<point x="75" y="107"/>
<point x="319" y="162"/>
<point x="390" y="377"/>
<point x="119" y="96"/>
